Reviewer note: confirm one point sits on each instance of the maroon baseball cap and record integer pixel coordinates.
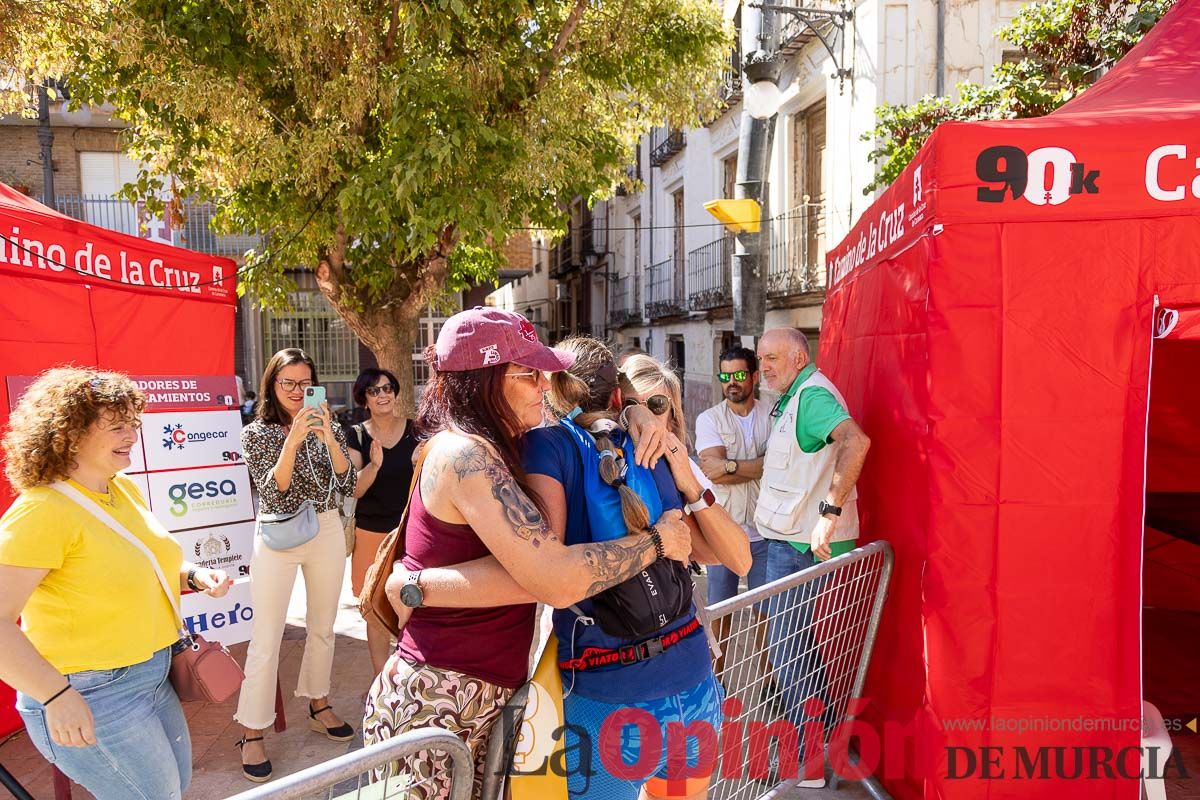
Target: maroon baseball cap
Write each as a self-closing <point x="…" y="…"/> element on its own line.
<point x="484" y="337"/>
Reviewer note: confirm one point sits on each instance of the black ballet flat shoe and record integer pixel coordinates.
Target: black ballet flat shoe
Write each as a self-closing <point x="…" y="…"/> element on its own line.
<point x="342" y="733"/>
<point x="258" y="773"/>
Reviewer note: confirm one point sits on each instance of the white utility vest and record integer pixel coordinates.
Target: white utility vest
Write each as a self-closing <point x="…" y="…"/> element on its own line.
<point x="795" y="482"/>
<point x="739" y="499"/>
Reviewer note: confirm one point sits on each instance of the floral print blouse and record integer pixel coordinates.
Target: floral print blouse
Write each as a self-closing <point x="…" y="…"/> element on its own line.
<point x="311" y="477"/>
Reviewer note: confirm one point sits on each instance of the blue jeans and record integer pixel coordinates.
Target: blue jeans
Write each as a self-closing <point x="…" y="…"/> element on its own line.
<point x="723" y="582"/>
<point x="142" y="750"/>
<point x="795" y="652"/>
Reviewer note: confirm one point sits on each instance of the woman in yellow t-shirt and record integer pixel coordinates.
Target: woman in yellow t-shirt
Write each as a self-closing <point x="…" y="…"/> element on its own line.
<point x="90" y="659"/>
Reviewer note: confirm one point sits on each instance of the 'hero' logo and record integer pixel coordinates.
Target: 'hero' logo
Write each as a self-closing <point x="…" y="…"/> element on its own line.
<point x="1047" y="176"/>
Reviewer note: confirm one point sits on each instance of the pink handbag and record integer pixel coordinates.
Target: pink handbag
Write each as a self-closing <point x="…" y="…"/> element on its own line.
<point x="200" y="669"/>
<point x="204" y="670"/>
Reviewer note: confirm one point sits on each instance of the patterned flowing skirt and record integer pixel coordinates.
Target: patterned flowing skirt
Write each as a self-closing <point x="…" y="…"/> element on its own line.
<point x="406" y="697"/>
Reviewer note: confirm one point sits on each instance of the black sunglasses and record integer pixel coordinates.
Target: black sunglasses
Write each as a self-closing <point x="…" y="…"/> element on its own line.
<point x="658" y="404"/>
<point x="375" y="391"/>
<point x="740" y="375"/>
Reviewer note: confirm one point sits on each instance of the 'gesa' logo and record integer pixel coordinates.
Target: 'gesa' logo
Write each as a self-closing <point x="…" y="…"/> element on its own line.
<point x="205" y="496"/>
<point x="1046" y="176"/>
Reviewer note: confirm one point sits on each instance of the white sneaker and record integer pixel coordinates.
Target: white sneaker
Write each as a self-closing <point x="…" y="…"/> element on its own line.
<point x="814" y="783"/>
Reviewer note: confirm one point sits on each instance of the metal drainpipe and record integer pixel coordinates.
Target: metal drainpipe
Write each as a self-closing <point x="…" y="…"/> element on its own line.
<point x="754" y="158"/>
<point x="941" y="47"/>
<point x="46" y="140"/>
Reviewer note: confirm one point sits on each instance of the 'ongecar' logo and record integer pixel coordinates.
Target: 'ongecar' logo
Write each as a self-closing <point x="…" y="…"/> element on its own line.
<point x="175" y="437"/>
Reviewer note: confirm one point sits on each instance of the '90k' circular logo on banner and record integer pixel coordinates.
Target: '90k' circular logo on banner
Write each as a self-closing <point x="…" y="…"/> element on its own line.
<point x="1046" y="176"/>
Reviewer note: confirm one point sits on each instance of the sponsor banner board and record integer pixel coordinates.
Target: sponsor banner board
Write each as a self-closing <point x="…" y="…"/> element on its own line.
<point x="163" y="392"/>
<point x="226" y="547"/>
<point x="181" y="439"/>
<point x="200" y="498"/>
<point x="221" y="619"/>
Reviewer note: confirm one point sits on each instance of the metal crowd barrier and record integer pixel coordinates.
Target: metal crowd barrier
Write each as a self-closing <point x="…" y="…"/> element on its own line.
<point x="808" y="635"/>
<point x="348" y="777"/>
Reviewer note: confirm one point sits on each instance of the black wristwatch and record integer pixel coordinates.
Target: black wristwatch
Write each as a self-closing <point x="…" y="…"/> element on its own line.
<point x="824" y="508"/>
<point x="411" y="593"/>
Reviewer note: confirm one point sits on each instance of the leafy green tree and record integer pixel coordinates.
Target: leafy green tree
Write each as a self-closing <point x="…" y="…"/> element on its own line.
<point x="1066" y="45"/>
<point x="392" y="146"/>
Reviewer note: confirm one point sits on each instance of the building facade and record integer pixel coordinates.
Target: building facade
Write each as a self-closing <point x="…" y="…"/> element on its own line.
<point x="652" y="269"/>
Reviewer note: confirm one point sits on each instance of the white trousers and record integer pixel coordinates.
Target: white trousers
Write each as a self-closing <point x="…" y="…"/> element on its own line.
<point x="272" y="576"/>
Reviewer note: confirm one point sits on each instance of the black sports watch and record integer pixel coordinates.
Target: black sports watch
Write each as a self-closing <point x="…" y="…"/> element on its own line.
<point x="824" y="508"/>
<point x="411" y="593"/>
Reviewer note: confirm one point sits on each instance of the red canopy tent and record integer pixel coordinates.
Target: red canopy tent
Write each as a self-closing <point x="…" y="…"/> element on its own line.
<point x="75" y="293"/>
<point x="991" y="321"/>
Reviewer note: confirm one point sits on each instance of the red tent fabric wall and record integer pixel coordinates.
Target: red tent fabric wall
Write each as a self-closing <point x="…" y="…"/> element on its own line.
<point x="155" y="309"/>
<point x="990" y="322"/>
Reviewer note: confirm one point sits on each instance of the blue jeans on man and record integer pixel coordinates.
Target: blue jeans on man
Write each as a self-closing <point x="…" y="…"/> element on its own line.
<point x="791" y="641"/>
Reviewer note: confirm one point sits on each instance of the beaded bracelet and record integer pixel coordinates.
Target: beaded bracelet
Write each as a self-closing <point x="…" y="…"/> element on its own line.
<point x="656" y="537"/>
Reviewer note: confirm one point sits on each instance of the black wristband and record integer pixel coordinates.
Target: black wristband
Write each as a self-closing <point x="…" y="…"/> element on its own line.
<point x="656" y="537"/>
<point x="56" y="695"/>
<point x="191" y="581"/>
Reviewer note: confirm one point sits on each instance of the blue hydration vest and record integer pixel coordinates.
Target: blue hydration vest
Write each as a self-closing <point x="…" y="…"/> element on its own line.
<point x="603" y="502"/>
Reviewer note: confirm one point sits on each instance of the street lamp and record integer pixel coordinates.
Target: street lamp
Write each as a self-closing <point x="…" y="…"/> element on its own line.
<point x="762" y="96"/>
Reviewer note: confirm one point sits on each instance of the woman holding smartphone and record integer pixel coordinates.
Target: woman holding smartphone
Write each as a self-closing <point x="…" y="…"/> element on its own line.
<point x="295" y="454"/>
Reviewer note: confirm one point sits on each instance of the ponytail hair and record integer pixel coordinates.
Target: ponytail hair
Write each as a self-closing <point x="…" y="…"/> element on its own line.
<point x="588" y="384"/>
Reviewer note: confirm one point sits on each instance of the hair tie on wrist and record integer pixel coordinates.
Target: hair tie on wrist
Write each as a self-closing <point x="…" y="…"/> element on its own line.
<point x="56" y="695"/>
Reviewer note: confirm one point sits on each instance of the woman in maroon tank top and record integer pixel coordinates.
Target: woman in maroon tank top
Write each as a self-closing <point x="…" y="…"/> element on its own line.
<point x="455" y="668"/>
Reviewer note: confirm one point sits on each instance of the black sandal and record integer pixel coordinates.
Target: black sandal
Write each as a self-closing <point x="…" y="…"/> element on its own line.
<point x="258" y="773"/>
<point x="342" y="733"/>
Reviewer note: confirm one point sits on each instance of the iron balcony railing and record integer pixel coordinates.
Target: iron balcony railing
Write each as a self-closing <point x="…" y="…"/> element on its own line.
<point x="709" y="275"/>
<point x="664" y="290"/>
<point x="731" y="77"/>
<point x="191" y="231"/>
<point x="665" y="143"/>
<point x="624" y="302"/>
<point x="796" y="252"/>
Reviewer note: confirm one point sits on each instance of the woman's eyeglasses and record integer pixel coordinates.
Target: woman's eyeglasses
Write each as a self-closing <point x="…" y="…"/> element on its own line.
<point x="740" y="375"/>
<point x="658" y="404"/>
<point x="533" y="376"/>
<point x="375" y="391"/>
<point x="290" y="385"/>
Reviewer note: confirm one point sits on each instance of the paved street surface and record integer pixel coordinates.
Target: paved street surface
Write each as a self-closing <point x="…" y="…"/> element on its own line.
<point x="217" y="772"/>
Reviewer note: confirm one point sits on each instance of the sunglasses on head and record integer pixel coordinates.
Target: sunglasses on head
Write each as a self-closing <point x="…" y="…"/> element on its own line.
<point x="740" y="375"/>
<point x="658" y="404"/>
<point x="375" y="391"/>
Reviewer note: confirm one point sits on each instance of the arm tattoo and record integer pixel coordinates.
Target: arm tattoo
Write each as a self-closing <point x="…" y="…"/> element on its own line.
<point x="520" y="512"/>
<point x="611" y="563"/>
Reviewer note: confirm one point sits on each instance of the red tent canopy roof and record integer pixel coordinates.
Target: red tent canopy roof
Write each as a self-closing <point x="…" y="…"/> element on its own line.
<point x="1127" y="148"/>
<point x="1161" y="74"/>
<point x="37" y="241"/>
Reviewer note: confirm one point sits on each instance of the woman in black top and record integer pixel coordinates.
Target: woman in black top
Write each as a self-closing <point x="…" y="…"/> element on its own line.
<point x="381" y="449"/>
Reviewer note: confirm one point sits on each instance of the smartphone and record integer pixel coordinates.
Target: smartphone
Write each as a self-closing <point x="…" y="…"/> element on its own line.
<point x="314" y="396"/>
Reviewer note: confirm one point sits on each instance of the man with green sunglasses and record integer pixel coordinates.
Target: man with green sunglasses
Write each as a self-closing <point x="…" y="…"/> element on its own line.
<point x="731" y="438"/>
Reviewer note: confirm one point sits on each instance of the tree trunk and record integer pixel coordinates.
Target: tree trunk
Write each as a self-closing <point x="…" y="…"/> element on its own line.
<point x="388" y="326"/>
<point x="393" y="349"/>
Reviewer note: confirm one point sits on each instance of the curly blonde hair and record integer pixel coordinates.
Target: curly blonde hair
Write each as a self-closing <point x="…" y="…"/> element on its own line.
<point x="53" y="416"/>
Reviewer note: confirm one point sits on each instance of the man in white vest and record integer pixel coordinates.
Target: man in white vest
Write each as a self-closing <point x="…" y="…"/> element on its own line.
<point x="807" y="503"/>
<point x="731" y="438"/>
